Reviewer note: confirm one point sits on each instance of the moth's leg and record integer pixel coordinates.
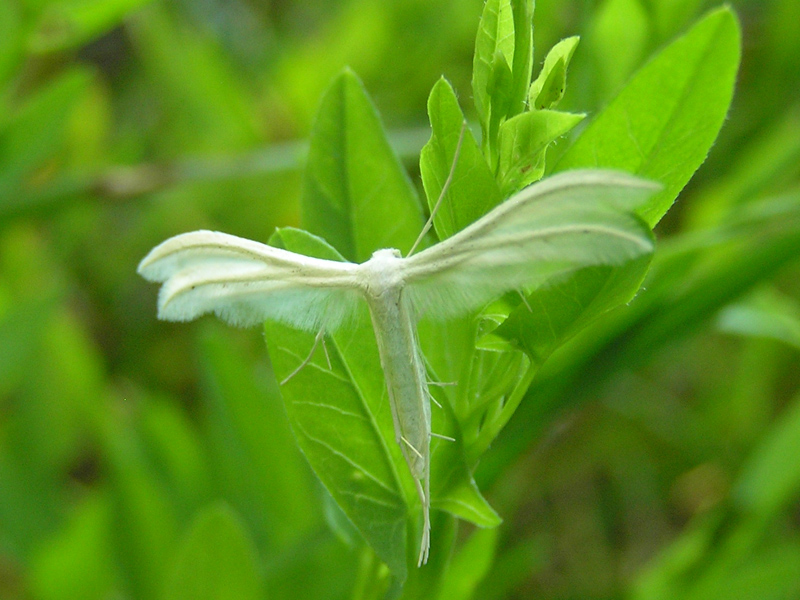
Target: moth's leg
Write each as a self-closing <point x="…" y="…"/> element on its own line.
<point x="410" y="445"/>
<point x="307" y="360"/>
<point x="425" y="542"/>
<point x="443" y="437"/>
<point x="325" y="350"/>
<point x="525" y="301"/>
<point x="439" y="384"/>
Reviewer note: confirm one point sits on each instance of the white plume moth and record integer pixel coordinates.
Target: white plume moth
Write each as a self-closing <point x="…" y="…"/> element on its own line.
<point x="572" y="220"/>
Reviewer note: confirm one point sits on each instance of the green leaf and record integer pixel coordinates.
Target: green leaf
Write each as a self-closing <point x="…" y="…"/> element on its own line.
<point x="77" y="561"/>
<point x="250" y="444"/>
<point x="356" y="194"/>
<point x="618" y="38"/>
<point x="71" y="23"/>
<point x="469" y="566"/>
<point x="341" y="419"/>
<point x="770" y="480"/>
<point x="548" y="88"/>
<point x="767" y="314"/>
<point x="146" y="523"/>
<point x="35" y="134"/>
<point x="561" y="310"/>
<point x="11" y="39"/>
<point x="494" y="52"/>
<point x="215" y="561"/>
<point x="523" y="54"/>
<point x="207" y="106"/>
<point x="472" y="192"/>
<point x="663" y="123"/>
<point x="522" y="143"/>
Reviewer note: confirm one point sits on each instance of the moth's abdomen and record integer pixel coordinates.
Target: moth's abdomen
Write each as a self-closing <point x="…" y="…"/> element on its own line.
<point x="406" y="382"/>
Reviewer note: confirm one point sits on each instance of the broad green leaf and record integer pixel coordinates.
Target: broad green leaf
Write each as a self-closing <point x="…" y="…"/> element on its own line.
<point x="216" y="560"/>
<point x="662" y="124"/>
<point x="70" y="23"/>
<point x="561" y="310"/>
<point x="457" y="493"/>
<point x="356" y="194"/>
<point x="341" y="419"/>
<point x="522" y="143"/>
<point x="548" y="88"/>
<point x="472" y="191"/>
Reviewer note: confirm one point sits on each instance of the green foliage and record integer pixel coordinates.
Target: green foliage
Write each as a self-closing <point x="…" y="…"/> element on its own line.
<point x="637" y="442"/>
<point x="215" y="560"/>
<point x="663" y="123"/>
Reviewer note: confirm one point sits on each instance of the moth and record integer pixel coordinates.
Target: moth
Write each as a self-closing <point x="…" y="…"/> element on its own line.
<point x="562" y="223"/>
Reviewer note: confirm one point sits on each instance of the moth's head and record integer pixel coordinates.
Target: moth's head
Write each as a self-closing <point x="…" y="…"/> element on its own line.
<point x="386" y="253"/>
<point x="382" y="272"/>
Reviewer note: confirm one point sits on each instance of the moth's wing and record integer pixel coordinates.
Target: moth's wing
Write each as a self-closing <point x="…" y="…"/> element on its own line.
<point x="246" y="283"/>
<point x="568" y="221"/>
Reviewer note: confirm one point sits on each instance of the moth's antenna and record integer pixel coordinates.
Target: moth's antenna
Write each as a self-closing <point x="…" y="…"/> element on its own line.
<point x="446" y="185"/>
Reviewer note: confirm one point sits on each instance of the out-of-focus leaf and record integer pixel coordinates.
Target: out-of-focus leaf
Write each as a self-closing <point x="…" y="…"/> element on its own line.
<point x="77" y="562"/>
<point x="177" y="452"/>
<point x="618" y="37"/>
<point x="251" y="446"/>
<point x="34" y="134"/>
<point x="10" y="40"/>
<point x="766" y="314"/>
<point x="764" y="166"/>
<point x="512" y="567"/>
<point x="469" y="566"/>
<point x="21" y="329"/>
<point x="216" y="560"/>
<point x="669" y="16"/>
<point x="356" y="194"/>
<point x="472" y="191"/>
<point x="69" y="23"/>
<point x="206" y="104"/>
<point x="144" y="522"/>
<point x="662" y="124"/>
<point x="768" y="574"/>
<point x="771" y="477"/>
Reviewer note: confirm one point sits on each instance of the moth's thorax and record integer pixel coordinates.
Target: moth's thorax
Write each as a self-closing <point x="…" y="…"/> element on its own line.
<point x="383" y="272"/>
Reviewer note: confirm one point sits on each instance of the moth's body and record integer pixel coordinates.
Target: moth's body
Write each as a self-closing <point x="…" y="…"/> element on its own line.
<point x="569" y="221"/>
<point x="404" y="370"/>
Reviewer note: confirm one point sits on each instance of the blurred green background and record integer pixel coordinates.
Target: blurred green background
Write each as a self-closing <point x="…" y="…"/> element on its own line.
<point x="659" y="456"/>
